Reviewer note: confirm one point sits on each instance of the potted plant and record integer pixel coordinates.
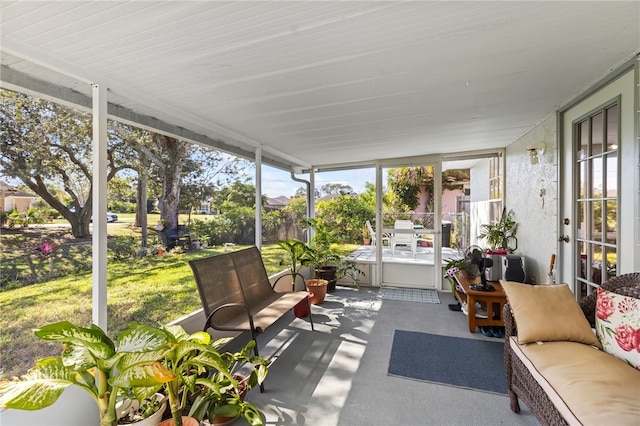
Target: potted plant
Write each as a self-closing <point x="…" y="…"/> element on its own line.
<point x="296" y="253"/>
<point x="321" y="253"/>
<point x="349" y="268"/>
<point x="500" y="234"/>
<point x="219" y="400"/>
<point x="318" y="289"/>
<point x="188" y="357"/>
<point x="92" y="361"/>
<point x="147" y="412"/>
<point x="366" y="236"/>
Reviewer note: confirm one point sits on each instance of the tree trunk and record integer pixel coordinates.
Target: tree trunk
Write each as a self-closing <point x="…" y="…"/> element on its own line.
<point x="176" y="151"/>
<point x="141" y="198"/>
<point x="141" y="207"/>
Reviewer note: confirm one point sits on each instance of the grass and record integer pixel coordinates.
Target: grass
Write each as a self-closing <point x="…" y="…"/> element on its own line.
<point x="153" y="290"/>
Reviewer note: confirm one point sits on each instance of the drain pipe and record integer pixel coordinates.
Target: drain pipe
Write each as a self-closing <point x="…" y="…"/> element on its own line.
<point x="309" y="197"/>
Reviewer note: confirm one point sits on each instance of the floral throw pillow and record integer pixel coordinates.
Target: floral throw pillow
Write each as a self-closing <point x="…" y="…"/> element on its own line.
<point x="618" y="326"/>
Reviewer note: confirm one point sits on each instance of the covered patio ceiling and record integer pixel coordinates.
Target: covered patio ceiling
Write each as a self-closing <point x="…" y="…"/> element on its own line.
<point x="316" y="83"/>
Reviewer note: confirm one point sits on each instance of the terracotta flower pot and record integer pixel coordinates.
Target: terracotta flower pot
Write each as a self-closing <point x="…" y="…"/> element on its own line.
<point x="319" y="289"/>
<point x="186" y="421"/>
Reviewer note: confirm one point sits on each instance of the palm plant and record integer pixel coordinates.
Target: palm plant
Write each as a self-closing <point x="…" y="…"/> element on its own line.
<point x="499" y="234"/>
<point x="296" y="253"/>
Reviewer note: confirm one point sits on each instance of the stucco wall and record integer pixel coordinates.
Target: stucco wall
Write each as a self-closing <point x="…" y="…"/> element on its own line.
<point x="479" y="180"/>
<point x="532" y="193"/>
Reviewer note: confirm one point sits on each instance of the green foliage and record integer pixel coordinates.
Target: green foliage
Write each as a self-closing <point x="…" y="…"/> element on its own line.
<point x="295" y="256"/>
<point x="123" y="248"/>
<point x="218" y="394"/>
<point x="345" y="215"/>
<point x="501" y="234"/>
<point x="349" y="268"/>
<point x="407" y="182"/>
<point x="91" y="361"/>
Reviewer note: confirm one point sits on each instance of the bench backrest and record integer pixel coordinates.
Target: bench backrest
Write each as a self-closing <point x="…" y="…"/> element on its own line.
<point x="235" y="277"/>
<point x="253" y="276"/>
<point x="218" y="284"/>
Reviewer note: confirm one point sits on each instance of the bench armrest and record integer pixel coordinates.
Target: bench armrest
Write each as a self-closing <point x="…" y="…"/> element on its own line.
<point x="209" y="322"/>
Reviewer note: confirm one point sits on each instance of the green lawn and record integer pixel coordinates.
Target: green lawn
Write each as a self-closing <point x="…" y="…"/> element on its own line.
<point x="154" y="290"/>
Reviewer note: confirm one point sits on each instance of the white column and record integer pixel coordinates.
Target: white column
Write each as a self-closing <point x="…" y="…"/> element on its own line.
<point x="437" y="223"/>
<point x="378" y="229"/>
<point x="311" y="198"/>
<point x="99" y="206"/>
<point x="258" y="238"/>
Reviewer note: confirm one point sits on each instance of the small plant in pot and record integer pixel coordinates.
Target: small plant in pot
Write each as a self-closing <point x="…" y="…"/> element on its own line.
<point x="147" y="412"/>
<point x="296" y="253"/>
<point x="219" y="400"/>
<point x="502" y="234"/>
<point x="322" y="254"/>
<point x="366" y="235"/>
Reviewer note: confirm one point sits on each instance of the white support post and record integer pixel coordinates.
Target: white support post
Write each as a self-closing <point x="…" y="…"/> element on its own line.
<point x="378" y="229"/>
<point x="437" y="221"/>
<point x="311" y="198"/>
<point x="99" y="313"/>
<point x="258" y="238"/>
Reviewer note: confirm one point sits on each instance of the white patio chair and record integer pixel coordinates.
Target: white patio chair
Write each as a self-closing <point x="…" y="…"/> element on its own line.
<point x="373" y="236"/>
<point x="401" y="238"/>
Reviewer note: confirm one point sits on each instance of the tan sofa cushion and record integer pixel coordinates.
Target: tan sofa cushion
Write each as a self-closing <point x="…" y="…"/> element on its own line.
<point x="587" y="385"/>
<point x="548" y="313"/>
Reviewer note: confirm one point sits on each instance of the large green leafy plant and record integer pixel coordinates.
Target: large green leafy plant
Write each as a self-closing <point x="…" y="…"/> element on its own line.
<point x="91" y="361"/>
<point x="146" y="360"/>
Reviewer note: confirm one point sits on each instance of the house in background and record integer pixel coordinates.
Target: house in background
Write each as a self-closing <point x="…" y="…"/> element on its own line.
<point x="11" y="198"/>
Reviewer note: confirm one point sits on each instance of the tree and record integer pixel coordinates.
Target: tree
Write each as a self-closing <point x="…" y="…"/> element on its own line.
<point x="345" y="215"/>
<point x="336" y="189"/>
<point x="407" y="182"/>
<point x="47" y="145"/>
<point x="205" y="172"/>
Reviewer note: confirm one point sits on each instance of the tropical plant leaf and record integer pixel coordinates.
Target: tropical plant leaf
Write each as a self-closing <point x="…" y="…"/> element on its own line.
<point x="141" y="338"/>
<point x="78" y="357"/>
<point x="132" y="358"/>
<point x="39" y="388"/>
<point x="142" y="393"/>
<point x="142" y="375"/>
<point x="93" y="338"/>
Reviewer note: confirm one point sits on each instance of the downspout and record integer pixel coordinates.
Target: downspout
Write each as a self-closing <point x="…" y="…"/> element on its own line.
<point x="309" y="195"/>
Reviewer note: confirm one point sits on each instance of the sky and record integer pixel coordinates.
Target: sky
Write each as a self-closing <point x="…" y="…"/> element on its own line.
<point x="276" y="182"/>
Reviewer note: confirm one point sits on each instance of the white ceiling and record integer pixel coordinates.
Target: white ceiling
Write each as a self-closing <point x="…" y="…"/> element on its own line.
<point x="317" y="82"/>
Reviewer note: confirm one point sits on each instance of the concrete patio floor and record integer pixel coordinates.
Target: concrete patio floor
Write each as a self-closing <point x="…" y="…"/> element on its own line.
<point x="337" y="375"/>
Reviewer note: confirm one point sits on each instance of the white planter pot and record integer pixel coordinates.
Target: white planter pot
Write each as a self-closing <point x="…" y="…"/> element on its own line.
<point x="152" y="420"/>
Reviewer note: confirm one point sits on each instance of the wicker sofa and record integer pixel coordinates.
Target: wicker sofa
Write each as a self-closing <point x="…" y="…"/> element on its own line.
<point x="575" y="389"/>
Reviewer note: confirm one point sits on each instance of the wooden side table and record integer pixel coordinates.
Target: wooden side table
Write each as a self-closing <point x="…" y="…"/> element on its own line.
<point x="494" y="301"/>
